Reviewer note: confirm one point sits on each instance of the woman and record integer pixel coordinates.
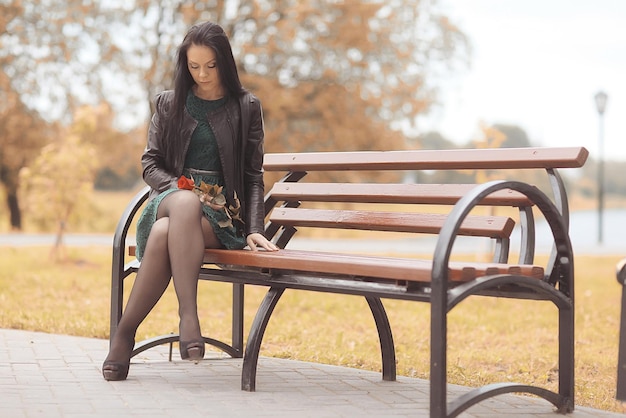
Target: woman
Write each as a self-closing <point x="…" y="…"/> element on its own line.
<point x="203" y="162"/>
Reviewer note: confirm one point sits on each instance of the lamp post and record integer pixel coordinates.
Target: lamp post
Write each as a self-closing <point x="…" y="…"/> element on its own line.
<point x="601" y="99"/>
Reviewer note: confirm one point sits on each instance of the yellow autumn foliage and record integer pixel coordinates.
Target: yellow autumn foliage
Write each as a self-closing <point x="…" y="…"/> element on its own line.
<point x="56" y="189"/>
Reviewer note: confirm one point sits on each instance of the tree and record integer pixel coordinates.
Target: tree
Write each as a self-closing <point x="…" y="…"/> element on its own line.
<point x="318" y="58"/>
<point x="331" y="74"/>
<point x="57" y="186"/>
<point x="22" y="134"/>
<point x="388" y="54"/>
<point x="116" y="150"/>
<point x="54" y="56"/>
<point x="62" y="55"/>
<point x="507" y="136"/>
<point x="310" y="60"/>
<point x="433" y="140"/>
<point x="515" y="136"/>
<point x="491" y="138"/>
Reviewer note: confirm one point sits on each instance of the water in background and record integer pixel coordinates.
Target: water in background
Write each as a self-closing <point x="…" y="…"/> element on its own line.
<point x="584" y="232"/>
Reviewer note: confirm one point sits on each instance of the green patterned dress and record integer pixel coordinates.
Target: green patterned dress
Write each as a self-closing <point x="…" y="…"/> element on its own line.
<point x="202" y="156"/>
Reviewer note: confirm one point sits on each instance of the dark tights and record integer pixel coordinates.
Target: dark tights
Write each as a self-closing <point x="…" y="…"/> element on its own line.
<point x="174" y="249"/>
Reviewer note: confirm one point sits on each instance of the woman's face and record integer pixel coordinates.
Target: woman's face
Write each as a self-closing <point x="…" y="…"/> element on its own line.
<point x="202" y="65"/>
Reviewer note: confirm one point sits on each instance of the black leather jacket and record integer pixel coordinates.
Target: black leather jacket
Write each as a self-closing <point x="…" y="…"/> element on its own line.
<point x="241" y="155"/>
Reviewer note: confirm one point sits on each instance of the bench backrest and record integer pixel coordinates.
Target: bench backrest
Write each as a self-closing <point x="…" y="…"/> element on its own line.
<point x="294" y="201"/>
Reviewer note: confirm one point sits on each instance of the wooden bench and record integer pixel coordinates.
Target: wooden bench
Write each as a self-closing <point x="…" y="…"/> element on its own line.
<point x="294" y="204"/>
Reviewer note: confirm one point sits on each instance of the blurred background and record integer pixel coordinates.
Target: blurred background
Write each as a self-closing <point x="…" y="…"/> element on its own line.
<point x="78" y="77"/>
<point x="538" y="65"/>
<point x="76" y="82"/>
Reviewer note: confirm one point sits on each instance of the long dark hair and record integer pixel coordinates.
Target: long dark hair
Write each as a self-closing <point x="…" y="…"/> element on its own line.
<point x="211" y="35"/>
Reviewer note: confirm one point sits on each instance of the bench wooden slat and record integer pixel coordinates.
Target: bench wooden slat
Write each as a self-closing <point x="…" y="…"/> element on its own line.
<point x="456" y="159"/>
<point x="361" y="265"/>
<point x="425" y="223"/>
<point x="427" y="194"/>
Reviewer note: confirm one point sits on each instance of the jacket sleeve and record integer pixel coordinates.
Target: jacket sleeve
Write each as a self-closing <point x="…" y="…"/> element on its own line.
<point x="155" y="172"/>
<point x="253" y="170"/>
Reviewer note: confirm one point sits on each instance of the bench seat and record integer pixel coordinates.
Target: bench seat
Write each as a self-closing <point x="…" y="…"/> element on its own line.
<point x="359" y="266"/>
<point x="362" y="266"/>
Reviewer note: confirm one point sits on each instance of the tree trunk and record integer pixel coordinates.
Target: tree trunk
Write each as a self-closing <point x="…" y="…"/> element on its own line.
<point x="15" y="214"/>
<point x="57" y="253"/>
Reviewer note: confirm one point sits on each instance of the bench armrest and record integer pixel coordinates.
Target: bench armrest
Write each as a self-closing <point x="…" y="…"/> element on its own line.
<point x="621" y="272"/>
<point x="555" y="219"/>
<point x="123" y="225"/>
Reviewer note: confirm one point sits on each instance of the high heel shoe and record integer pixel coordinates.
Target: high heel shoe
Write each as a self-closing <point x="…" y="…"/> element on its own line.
<point x="118" y="370"/>
<point x="114" y="370"/>
<point x="192" y="350"/>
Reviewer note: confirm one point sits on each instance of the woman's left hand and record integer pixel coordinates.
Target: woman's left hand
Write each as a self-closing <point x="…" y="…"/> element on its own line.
<point x="257" y="240"/>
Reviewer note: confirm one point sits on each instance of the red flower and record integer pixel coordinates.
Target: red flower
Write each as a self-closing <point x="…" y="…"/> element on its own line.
<point x="185" y="183"/>
<point x="211" y="195"/>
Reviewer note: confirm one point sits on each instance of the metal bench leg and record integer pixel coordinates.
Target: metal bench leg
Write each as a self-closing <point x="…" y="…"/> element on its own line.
<point x="621" y="359"/>
<point x="237" y="319"/>
<point x="438" y="349"/>
<point x="117" y="301"/>
<point x="385" y="336"/>
<point x="566" y="358"/>
<point x="253" y="347"/>
<point x="438" y="367"/>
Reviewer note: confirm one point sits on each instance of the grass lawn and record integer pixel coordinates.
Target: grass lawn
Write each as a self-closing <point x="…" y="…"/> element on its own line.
<point x="490" y="339"/>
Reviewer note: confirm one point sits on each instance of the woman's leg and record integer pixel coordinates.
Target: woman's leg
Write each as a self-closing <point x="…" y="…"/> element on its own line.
<point x="175" y="248"/>
<point x="152" y="279"/>
<point x="188" y="234"/>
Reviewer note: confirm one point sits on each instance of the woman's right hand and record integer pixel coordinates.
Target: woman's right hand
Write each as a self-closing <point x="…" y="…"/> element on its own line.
<point x="256" y="240"/>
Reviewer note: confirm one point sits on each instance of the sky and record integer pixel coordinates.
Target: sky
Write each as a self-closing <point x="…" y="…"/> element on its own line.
<point x="537" y="64"/>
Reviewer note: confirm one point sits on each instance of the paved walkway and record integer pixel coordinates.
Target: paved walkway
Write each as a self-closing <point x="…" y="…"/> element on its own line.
<point x="47" y="375"/>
